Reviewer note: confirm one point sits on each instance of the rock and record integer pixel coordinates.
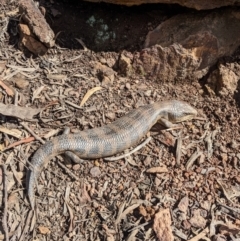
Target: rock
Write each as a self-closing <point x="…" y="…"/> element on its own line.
<point x="185" y="46"/>
<point x="209" y="35"/>
<point x="28" y="41"/>
<point x="125" y="63"/>
<point x="168" y="64"/>
<point x="197" y="220"/>
<point x="222" y="81"/>
<point x="36" y="22"/>
<point x="197" y="4"/>
<point x="95" y="172"/>
<point x="105" y="73"/>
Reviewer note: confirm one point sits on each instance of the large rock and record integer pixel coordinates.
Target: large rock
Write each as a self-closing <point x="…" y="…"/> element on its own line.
<point x="208" y="36"/>
<point x="36" y="22"/>
<point x="197" y="4"/>
<point x="173" y="63"/>
<point x="185" y="46"/>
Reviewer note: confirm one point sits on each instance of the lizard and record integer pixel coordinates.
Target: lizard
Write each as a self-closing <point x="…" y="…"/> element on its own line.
<point x="109" y="139"/>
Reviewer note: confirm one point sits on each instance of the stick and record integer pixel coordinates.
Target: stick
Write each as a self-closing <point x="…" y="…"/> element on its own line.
<point x="129" y="153"/>
<point x="17" y="143"/>
<point x="32" y="133"/>
<point x="4" y="219"/>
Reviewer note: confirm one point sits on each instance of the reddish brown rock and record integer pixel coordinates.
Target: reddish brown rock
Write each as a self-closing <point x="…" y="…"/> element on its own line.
<point x="185" y="46"/>
<point x="28" y="41"/>
<point x="197" y="4"/>
<point x="222" y="81"/>
<point x="36" y="22"/>
<point x="166" y="64"/>
<point x="209" y="35"/>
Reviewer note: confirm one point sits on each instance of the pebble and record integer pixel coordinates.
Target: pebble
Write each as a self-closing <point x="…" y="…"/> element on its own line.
<point x="76" y="167"/>
<point x="223" y="149"/>
<point x="95" y="172"/>
<point x="128" y="86"/>
<point x="148" y="93"/>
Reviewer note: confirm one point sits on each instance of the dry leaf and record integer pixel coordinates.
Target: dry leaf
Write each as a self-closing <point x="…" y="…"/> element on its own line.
<point x="88" y="94"/>
<point x="23" y="113"/>
<point x="37" y="92"/>
<point x="12" y="199"/>
<point x="157" y="169"/>
<point x="8" y="90"/>
<point x="12" y="132"/>
<point x="2" y="65"/>
<point x="57" y="76"/>
<point x="162" y="225"/>
<point x="126" y="211"/>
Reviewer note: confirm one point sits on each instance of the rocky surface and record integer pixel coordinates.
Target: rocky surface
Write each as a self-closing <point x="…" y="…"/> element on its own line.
<point x="198" y="4"/>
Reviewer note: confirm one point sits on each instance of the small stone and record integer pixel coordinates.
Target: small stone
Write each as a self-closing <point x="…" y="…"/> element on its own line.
<point x="238" y="156"/>
<point x="183" y="204"/>
<point x="148" y="93"/>
<point x="224" y="157"/>
<point x="147" y="161"/>
<point x="95" y="172"/>
<point x="76" y="167"/>
<point x="197" y="219"/>
<point x="128" y="86"/>
<point x="223" y="149"/>
<point x="234" y="144"/>
<point x="110" y="115"/>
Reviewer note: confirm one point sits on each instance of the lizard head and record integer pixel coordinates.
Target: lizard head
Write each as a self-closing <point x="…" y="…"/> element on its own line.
<point x="181" y="111"/>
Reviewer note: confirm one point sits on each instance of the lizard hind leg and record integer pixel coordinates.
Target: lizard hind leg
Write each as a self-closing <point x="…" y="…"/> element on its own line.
<point x="74" y="157"/>
<point x="71" y="155"/>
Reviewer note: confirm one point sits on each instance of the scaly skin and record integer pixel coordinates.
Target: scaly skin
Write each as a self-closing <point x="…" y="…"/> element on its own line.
<point x="109" y="139"/>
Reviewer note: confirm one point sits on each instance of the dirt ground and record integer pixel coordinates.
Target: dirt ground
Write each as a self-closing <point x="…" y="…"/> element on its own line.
<point x="120" y="200"/>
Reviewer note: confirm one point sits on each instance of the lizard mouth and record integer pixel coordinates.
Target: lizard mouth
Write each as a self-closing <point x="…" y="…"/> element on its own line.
<point x="185" y="118"/>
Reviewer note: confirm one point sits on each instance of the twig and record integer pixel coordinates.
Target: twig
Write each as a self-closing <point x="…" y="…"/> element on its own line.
<point x="72" y="59"/>
<point x="82" y="43"/>
<point x="193" y="158"/>
<point x="4" y="219"/>
<point x="236" y="210"/>
<point x="15" y="97"/>
<point x="32" y="133"/>
<point x="73" y="105"/>
<point x="179" y="149"/>
<point x="140" y="226"/>
<point x="26" y="225"/>
<point x="200" y="235"/>
<point x="17" y="143"/>
<point x="129" y="153"/>
<point x="71" y="174"/>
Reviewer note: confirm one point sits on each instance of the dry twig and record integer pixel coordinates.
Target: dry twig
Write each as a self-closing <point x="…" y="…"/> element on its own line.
<point x="32" y="133"/>
<point x="4" y="219"/>
<point x="129" y="153"/>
